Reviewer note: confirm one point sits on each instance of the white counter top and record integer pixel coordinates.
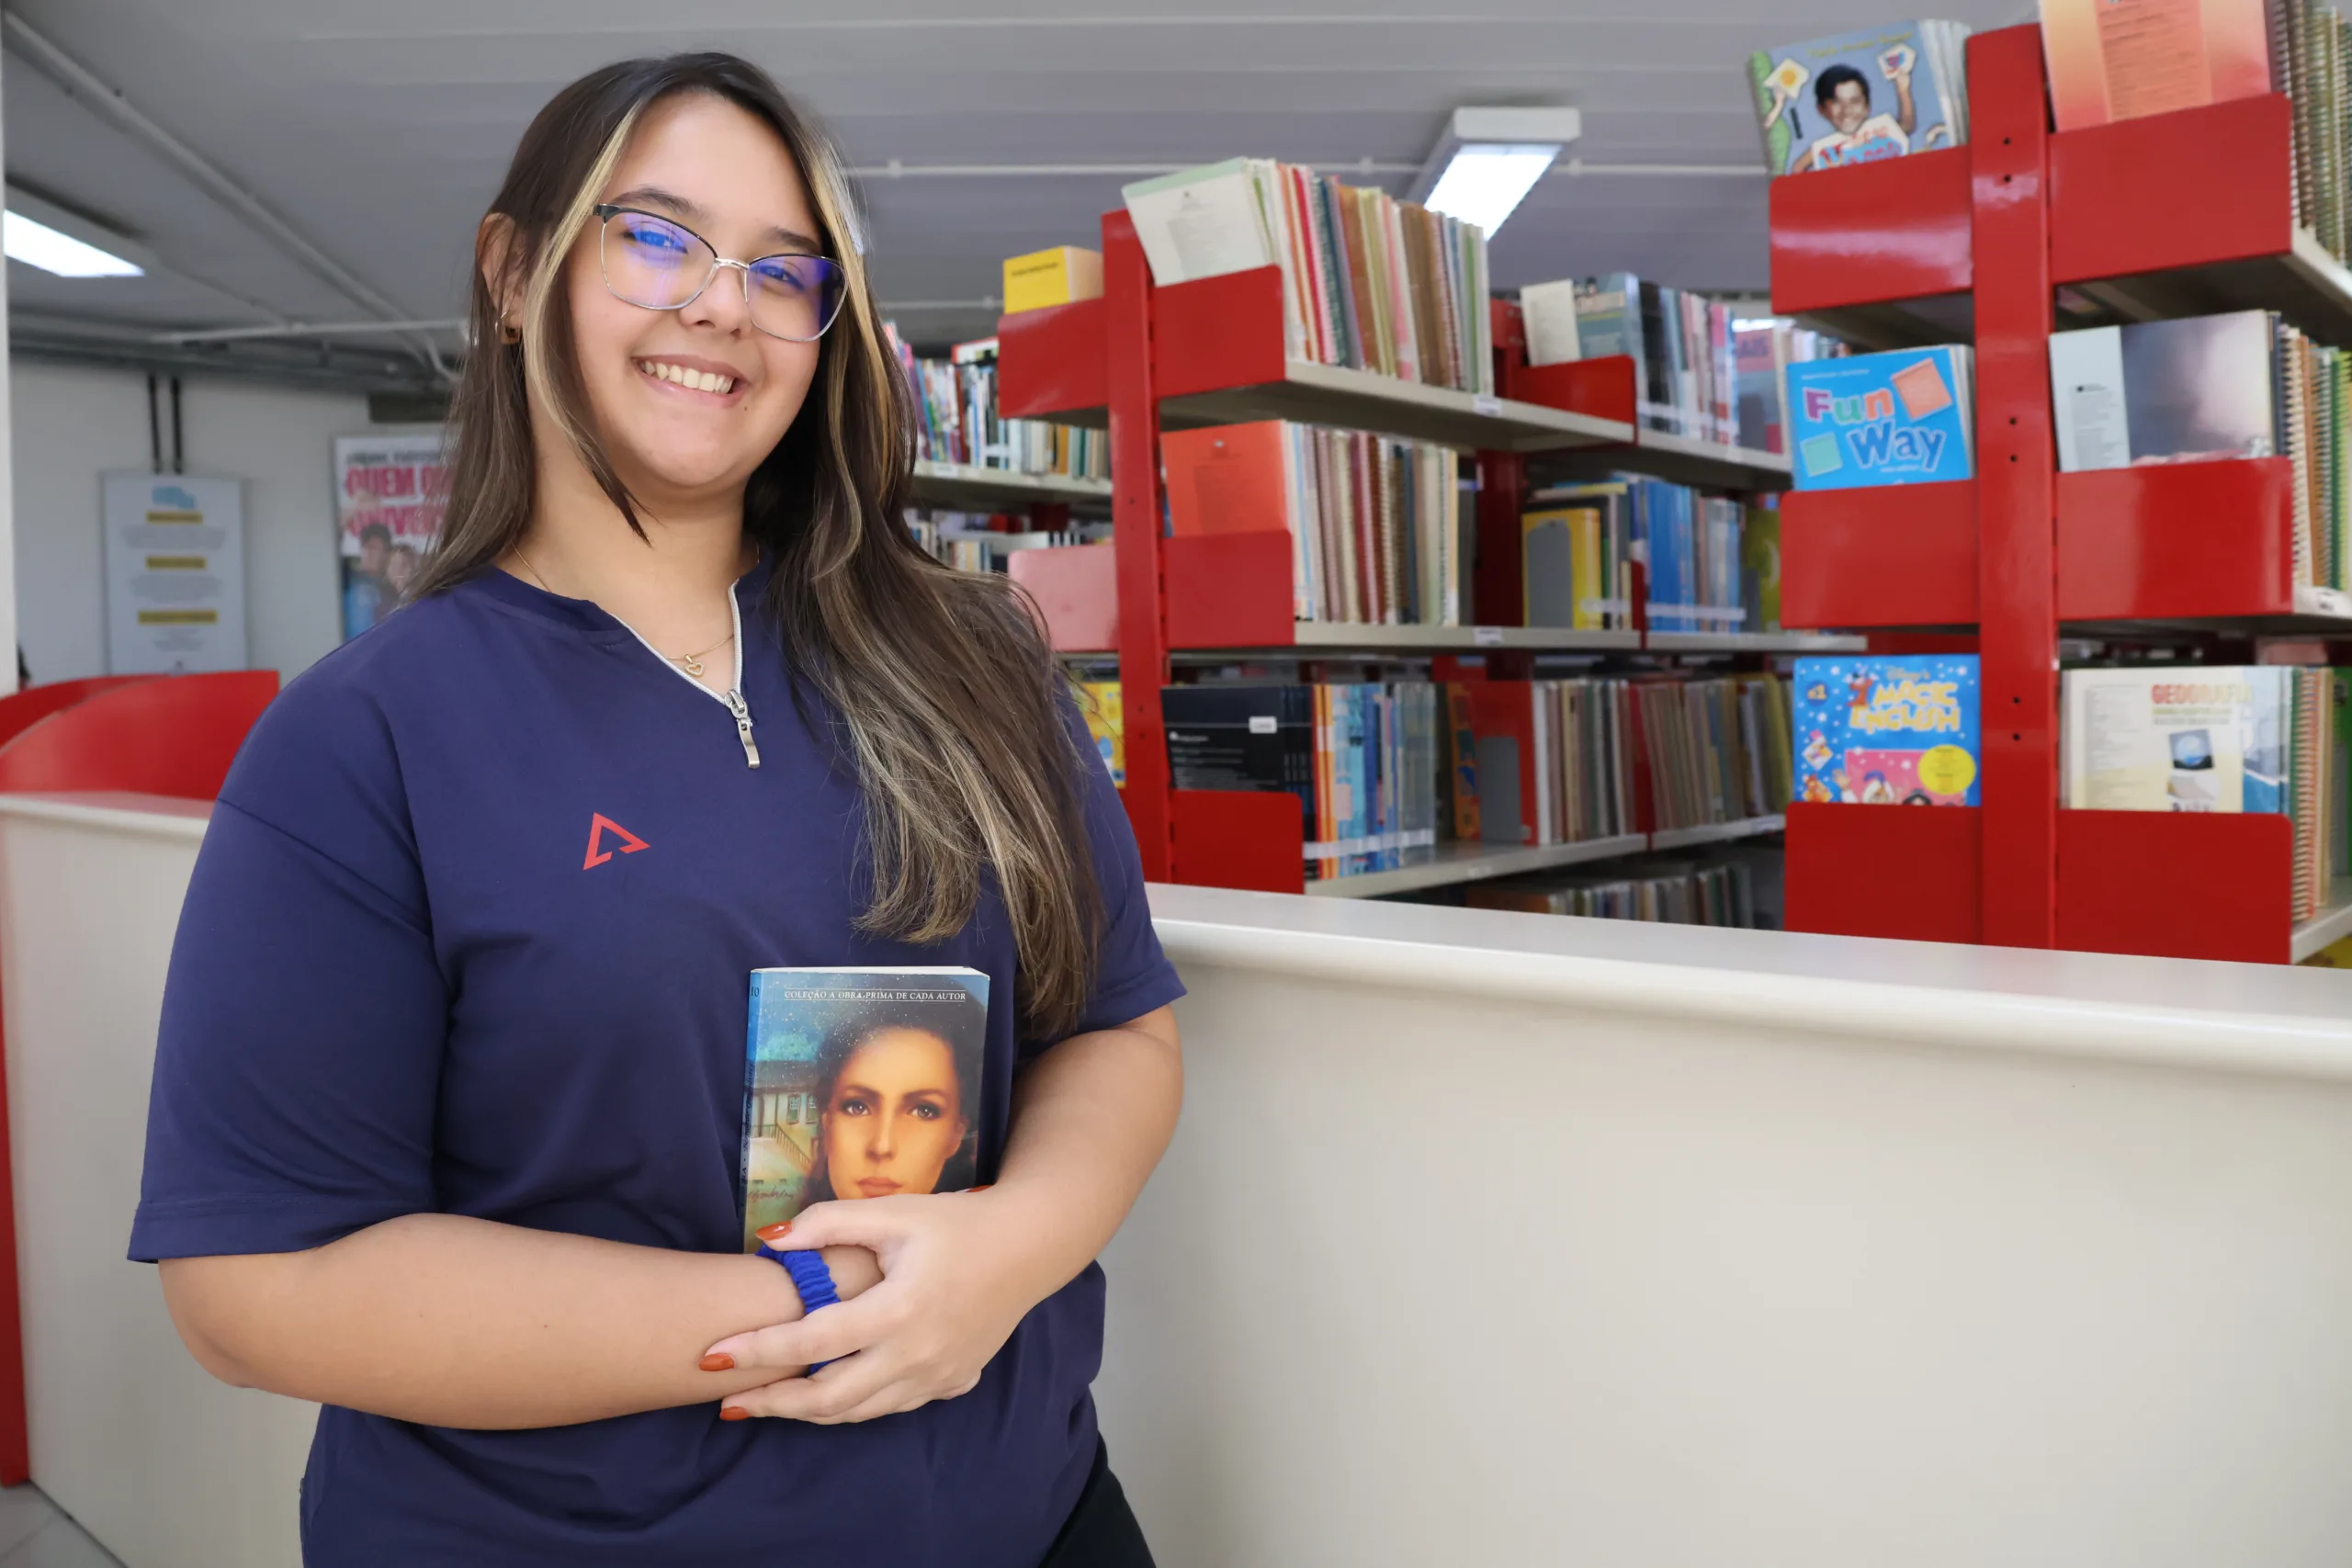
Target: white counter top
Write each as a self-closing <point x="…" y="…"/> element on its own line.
<point x="161" y="815"/>
<point x="2233" y="1017"/>
<point x="2236" y="1017"/>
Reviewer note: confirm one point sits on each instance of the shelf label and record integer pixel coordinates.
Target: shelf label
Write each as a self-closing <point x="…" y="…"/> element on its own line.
<point x="1261" y="724"/>
<point x="1486" y="636"/>
<point x="1485" y="403"/>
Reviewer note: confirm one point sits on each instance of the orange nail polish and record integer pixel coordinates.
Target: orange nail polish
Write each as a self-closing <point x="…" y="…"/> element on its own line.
<point x="733" y="1413"/>
<point x="718" y="1362"/>
<point x="777" y="1232"/>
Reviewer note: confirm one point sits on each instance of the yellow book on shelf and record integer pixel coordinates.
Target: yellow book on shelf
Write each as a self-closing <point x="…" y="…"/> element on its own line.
<point x="1059" y="276"/>
<point x="1584" y="525"/>
<point x="1106" y="722"/>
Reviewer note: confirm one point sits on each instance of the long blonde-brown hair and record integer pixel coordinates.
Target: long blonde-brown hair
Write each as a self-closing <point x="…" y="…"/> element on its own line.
<point x="943" y="697"/>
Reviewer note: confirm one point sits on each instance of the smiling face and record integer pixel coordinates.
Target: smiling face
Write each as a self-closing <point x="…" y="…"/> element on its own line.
<point x="1848" y="107"/>
<point x="896" y="1116"/>
<point x="688" y="403"/>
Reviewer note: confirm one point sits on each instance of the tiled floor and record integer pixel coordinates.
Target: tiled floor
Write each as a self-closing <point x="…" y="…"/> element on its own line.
<point x="34" y="1534"/>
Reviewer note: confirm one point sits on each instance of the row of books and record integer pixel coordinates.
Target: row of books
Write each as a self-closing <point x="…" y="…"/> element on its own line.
<point x="1378" y="532"/>
<point x="2310" y="61"/>
<point x="966" y="541"/>
<point x="1360" y="757"/>
<point x="1701" y="370"/>
<point x="1386" y="769"/>
<point x="1678" y="893"/>
<point x="1369" y="282"/>
<point x="1906" y="416"/>
<point x="956" y="419"/>
<point x="1861" y="97"/>
<point x="1713" y="564"/>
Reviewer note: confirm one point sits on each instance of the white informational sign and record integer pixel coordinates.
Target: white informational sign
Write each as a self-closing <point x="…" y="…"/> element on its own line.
<point x="390" y="492"/>
<point x="175" y="573"/>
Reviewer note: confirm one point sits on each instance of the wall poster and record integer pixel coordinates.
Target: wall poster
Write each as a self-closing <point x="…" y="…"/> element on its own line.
<point x="390" y="491"/>
<point x="175" y="573"/>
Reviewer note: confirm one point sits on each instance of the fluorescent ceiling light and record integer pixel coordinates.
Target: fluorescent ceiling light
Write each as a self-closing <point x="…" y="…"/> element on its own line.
<point x="41" y="233"/>
<point x="1482" y="184"/>
<point x="1490" y="159"/>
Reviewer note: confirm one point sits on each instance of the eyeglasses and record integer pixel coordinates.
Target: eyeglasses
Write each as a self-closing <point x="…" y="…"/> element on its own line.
<point x="659" y="265"/>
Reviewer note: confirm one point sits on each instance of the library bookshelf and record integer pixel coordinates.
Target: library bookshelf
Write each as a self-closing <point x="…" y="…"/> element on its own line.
<point x="1143" y="358"/>
<point x="1977" y="240"/>
<point x="968" y="487"/>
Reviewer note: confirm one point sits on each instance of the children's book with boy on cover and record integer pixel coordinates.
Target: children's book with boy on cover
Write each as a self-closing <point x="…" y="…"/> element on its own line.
<point x="1861" y="97"/>
<point x="1902" y="417"/>
<point x="1888" y="731"/>
<point x="860" y="1083"/>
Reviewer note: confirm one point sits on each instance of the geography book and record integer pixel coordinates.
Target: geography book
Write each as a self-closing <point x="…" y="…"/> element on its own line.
<point x="2190" y="738"/>
<point x="1888" y="731"/>
<point x="1902" y="417"/>
<point x="860" y="1083"/>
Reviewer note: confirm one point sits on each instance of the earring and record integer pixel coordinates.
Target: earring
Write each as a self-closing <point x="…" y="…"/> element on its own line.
<point x="507" y="332"/>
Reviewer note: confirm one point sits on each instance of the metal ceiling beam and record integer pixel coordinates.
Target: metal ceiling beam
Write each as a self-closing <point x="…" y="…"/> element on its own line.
<point x="109" y="103"/>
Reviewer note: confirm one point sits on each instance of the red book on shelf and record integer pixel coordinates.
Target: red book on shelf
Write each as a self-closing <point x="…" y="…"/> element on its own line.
<point x="1229" y="479"/>
<point x="1512" y="782"/>
<point x="2113" y="59"/>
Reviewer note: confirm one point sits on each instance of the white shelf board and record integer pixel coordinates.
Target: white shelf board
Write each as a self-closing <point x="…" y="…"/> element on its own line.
<point x="1716" y="832"/>
<point x="2331" y="925"/>
<point x="1757" y="642"/>
<point x="1451" y="864"/>
<point x="1709" y="464"/>
<point x="1363" y="400"/>
<point x="960" y="485"/>
<point x="1457" y="639"/>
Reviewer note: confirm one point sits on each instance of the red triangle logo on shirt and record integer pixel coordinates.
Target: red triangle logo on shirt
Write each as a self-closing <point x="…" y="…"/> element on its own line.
<point x="598" y="826"/>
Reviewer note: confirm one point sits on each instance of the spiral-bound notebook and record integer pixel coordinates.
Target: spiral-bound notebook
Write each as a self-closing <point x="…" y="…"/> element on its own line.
<point x="860" y="1083"/>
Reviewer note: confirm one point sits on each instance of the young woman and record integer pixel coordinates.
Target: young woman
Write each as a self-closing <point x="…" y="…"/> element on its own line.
<point x="446" y="1108"/>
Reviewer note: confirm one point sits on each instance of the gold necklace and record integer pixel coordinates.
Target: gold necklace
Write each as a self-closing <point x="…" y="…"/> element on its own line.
<point x="690" y="662"/>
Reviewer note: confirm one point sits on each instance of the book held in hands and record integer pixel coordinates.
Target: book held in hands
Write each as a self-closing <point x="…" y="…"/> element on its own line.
<point x="860" y="1083"/>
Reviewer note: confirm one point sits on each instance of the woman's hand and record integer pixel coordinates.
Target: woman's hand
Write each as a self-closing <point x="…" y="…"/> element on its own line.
<point x="959" y="1271"/>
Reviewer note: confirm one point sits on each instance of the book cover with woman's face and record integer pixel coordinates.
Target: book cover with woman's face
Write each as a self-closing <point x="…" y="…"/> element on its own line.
<point x="859" y="1083"/>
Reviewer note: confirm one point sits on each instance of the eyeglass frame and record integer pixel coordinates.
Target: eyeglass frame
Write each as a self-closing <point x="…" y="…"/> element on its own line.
<point x="606" y="211"/>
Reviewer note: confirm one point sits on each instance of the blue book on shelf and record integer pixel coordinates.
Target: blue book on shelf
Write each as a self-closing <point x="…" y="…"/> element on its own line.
<point x="1888" y="731"/>
<point x="1881" y="419"/>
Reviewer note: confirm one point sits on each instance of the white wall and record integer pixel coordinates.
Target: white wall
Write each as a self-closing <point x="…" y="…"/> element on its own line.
<point x="70" y="425"/>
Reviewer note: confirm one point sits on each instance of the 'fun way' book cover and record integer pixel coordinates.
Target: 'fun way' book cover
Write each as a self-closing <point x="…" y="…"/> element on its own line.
<point x="860" y="1083"/>
<point x="1903" y="417"/>
<point x="1888" y="731"/>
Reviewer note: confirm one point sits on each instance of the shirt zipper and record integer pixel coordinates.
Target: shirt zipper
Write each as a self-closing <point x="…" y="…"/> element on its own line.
<point x="732" y="699"/>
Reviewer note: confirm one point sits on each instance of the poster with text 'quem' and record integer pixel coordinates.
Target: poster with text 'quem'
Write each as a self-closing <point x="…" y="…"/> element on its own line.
<point x="1883" y="419"/>
<point x="175" y="573"/>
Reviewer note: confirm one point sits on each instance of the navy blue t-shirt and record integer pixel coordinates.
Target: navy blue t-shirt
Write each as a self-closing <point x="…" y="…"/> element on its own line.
<point x="471" y="932"/>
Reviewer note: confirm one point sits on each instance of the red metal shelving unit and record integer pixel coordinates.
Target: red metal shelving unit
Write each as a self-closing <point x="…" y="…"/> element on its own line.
<point x="1211" y="352"/>
<point x="1885" y="252"/>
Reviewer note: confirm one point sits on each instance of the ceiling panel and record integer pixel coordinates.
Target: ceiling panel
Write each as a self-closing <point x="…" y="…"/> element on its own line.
<point x="380" y="130"/>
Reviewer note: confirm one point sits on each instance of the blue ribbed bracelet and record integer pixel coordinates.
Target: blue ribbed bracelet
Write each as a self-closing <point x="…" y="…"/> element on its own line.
<point x="811" y="1278"/>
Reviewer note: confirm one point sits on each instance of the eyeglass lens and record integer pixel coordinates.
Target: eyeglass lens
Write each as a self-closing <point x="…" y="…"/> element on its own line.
<point x="662" y="266"/>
